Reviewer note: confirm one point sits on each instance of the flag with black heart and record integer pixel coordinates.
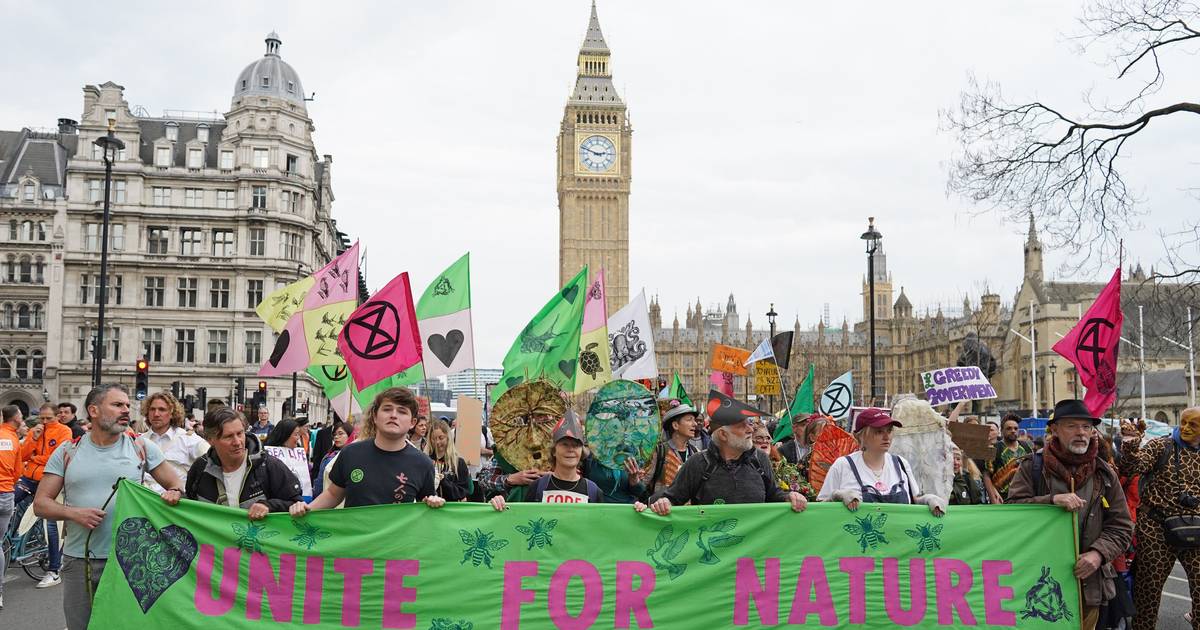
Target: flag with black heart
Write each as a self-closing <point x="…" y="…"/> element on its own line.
<point x="444" y="318"/>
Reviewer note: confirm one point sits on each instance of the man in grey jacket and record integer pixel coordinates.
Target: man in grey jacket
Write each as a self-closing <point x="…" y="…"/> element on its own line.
<point x="730" y="470"/>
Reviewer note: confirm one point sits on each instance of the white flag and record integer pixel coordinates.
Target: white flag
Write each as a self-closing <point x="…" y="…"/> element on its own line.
<point x="764" y="351"/>
<point x="631" y="341"/>
<point x="837" y="399"/>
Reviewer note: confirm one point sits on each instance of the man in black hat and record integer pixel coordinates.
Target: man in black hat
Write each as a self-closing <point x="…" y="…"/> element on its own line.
<point x="731" y="470"/>
<point x="1067" y="473"/>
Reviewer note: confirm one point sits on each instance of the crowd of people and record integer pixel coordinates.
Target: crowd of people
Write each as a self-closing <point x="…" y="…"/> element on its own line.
<point x="1134" y="498"/>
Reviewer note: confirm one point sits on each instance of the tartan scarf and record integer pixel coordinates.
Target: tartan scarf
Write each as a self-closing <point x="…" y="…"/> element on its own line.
<point x="1068" y="466"/>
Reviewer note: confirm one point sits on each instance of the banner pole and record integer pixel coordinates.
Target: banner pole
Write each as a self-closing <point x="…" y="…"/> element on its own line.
<point x="783" y="391"/>
<point x="1075" y="537"/>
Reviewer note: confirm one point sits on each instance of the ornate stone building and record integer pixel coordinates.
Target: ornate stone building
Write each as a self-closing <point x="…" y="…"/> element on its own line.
<point x="209" y="214"/>
<point x="33" y="166"/>
<point x="593" y="165"/>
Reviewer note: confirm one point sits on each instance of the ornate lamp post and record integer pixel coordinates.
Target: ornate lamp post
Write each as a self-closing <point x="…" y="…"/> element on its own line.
<point x="109" y="145"/>
<point x="771" y="315"/>
<point x="872" y="237"/>
<point x="1053" y="389"/>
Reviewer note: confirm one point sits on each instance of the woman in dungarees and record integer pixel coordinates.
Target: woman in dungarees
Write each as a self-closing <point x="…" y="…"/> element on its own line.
<point x="872" y="474"/>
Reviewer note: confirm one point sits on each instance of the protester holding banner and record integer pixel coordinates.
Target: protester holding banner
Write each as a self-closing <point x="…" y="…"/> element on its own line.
<point x="1170" y="499"/>
<point x="731" y="470"/>
<point x="452" y="479"/>
<point x="564" y="484"/>
<point x="680" y="424"/>
<point x="872" y="474"/>
<point x="88" y="470"/>
<point x="366" y="472"/>
<point x="164" y="414"/>
<point x="237" y="472"/>
<point x="1068" y="473"/>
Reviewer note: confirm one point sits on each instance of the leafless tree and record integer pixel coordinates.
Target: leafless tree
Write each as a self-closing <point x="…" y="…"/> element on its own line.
<point x="1064" y="168"/>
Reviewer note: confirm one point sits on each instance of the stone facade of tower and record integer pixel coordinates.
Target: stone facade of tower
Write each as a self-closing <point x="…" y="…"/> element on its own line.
<point x="593" y="166"/>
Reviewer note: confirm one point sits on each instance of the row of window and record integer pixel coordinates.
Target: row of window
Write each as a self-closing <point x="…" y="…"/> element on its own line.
<point x="26" y="231"/>
<point x="187" y="291"/>
<point x="260" y="158"/>
<point x="184" y="345"/>
<point x="289" y="201"/>
<point x="26" y="269"/>
<point x="22" y="364"/>
<point x="22" y="316"/>
<point x="222" y="241"/>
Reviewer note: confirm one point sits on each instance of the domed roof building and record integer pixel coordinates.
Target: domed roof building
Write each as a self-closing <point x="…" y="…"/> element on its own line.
<point x="270" y="76"/>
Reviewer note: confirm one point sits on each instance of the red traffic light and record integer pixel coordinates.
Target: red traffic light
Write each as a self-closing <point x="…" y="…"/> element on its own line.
<point x="143" y="365"/>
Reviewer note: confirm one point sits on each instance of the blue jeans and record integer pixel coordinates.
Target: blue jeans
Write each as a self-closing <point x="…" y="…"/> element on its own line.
<point x="27" y="487"/>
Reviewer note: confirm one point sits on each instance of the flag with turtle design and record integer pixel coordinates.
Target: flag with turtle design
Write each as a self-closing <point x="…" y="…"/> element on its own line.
<point x="548" y="346"/>
<point x="594" y="366"/>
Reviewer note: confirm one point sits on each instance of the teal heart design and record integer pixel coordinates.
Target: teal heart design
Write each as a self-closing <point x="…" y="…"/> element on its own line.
<point x="567" y="367"/>
<point x="153" y="559"/>
<point x="570" y="293"/>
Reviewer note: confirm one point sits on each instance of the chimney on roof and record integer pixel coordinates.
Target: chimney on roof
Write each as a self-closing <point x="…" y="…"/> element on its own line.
<point x="68" y="126"/>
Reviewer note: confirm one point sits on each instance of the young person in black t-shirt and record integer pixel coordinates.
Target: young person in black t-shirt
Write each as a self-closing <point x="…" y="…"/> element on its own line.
<point x="383" y="467"/>
<point x="564" y="484"/>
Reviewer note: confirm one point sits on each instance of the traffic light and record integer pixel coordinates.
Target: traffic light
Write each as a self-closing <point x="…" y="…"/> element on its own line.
<point x="240" y="394"/>
<point x="189" y="404"/>
<point x="177" y="389"/>
<point x="202" y="395"/>
<point x="142" y="382"/>
<point x="262" y="393"/>
<point x="304" y="407"/>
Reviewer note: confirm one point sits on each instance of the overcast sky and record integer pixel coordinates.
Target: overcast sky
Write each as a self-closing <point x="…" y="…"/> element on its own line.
<point x="765" y="133"/>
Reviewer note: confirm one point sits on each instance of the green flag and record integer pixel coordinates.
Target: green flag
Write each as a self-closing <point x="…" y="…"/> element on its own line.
<point x="677" y="392"/>
<point x="548" y="346"/>
<point x="802" y="406"/>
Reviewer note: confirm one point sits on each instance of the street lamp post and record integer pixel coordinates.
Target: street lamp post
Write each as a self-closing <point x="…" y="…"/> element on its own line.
<point x="872" y="237"/>
<point x="296" y="405"/>
<point x="1190" y="347"/>
<point x="109" y="145"/>
<point x="771" y="315"/>
<point x="1053" y="385"/>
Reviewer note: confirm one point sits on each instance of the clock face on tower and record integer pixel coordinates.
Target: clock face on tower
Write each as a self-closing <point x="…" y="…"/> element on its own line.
<point x="597" y="153"/>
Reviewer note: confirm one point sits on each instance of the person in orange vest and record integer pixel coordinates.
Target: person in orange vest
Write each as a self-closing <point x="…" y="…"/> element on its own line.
<point x="41" y="442"/>
<point x="10" y="471"/>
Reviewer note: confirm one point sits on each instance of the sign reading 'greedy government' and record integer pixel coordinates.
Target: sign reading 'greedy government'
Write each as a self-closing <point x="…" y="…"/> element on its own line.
<point x="951" y="385"/>
<point x="468" y="567"/>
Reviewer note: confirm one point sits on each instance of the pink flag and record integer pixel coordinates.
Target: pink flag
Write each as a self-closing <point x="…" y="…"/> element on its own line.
<point x="335" y="282"/>
<point x="291" y="350"/>
<point x="1092" y="346"/>
<point x="722" y="382"/>
<point x="381" y="338"/>
<point x="595" y="315"/>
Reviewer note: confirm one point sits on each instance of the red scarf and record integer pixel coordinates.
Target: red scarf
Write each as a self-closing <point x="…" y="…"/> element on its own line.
<point x="1068" y="466"/>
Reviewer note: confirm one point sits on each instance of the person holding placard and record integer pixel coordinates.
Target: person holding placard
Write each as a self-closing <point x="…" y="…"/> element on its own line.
<point x="237" y="472"/>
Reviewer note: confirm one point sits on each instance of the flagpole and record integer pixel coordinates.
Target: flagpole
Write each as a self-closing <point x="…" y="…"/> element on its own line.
<point x="782" y="390"/>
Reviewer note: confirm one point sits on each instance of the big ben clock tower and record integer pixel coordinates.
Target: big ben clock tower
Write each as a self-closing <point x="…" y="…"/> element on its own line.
<point x="593" y="174"/>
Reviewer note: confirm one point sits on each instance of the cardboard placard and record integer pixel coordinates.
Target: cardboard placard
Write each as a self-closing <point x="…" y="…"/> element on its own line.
<point x="423" y="406"/>
<point x="951" y="385"/>
<point x="729" y="359"/>
<point x="766" y="379"/>
<point x="468" y="429"/>
<point x="972" y="439"/>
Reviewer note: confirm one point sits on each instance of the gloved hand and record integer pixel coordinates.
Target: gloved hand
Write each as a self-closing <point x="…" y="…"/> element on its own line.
<point x="937" y="505"/>
<point x="850" y="498"/>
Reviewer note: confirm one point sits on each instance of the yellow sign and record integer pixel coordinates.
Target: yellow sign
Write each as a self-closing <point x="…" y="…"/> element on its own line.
<point x="766" y="379"/>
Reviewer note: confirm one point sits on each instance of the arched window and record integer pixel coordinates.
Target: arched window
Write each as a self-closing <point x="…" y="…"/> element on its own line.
<point x="39" y="363"/>
<point x="6" y="370"/>
<point x="8" y="315"/>
<point x="39" y="270"/>
<point x="41" y="230"/>
<point x="23" y="316"/>
<point x="37" y="317"/>
<point x="26" y="269"/>
<point x="27" y="231"/>
<point x="22" y="364"/>
<point x="11" y="268"/>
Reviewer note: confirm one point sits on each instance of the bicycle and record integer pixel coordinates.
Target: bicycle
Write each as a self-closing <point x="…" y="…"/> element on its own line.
<point x="24" y="543"/>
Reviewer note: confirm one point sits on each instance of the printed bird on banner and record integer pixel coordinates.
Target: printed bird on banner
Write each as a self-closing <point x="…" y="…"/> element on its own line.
<point x="595" y="368"/>
<point x="548" y="346"/>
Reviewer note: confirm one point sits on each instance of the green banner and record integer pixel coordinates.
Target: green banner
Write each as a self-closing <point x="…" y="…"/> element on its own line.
<point x="467" y="567"/>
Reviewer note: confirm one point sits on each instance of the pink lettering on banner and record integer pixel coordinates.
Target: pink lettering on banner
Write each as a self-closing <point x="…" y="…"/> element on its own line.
<point x="631" y="601"/>
<point x="314" y="579"/>
<point x="856" y="569"/>
<point x="766" y="595"/>
<point x="227" y="591"/>
<point x="593" y="595"/>
<point x="952" y="594"/>
<point x="395" y="594"/>
<point x="353" y="569"/>
<point x="514" y="596"/>
<point x="280" y="593"/>
<point x="916" y="591"/>
<point x="812" y="579"/>
<point x="994" y="595"/>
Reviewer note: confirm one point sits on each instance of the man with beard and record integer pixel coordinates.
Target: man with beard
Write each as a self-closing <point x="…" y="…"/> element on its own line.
<point x="731" y="470"/>
<point x="1067" y="473"/>
<point x="88" y="469"/>
<point x="1007" y="451"/>
<point x="382" y="467"/>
